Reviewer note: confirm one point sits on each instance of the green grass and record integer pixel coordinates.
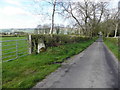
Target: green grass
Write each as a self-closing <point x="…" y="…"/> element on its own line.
<point x="112" y="44"/>
<point x="12" y="38"/>
<point x="25" y="72"/>
<point x="22" y="47"/>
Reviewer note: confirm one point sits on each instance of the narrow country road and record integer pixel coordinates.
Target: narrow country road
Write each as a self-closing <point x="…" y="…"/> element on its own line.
<point x="96" y="67"/>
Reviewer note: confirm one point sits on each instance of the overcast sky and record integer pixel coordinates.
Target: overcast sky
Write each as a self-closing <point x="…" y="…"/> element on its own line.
<point x="20" y="14"/>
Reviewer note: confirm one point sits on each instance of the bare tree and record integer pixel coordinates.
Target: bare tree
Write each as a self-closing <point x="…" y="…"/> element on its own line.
<point x="70" y="11"/>
<point x="111" y="22"/>
<point x="45" y="13"/>
<point x="86" y="14"/>
<point x="98" y="9"/>
<point x="116" y="22"/>
<point x="53" y="13"/>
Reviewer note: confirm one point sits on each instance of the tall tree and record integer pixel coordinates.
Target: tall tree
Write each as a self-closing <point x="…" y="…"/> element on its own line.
<point x="87" y="14"/>
<point x="46" y="13"/>
<point x="53" y="14"/>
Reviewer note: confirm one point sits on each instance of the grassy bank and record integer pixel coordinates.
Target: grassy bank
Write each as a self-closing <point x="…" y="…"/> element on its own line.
<point x="112" y="44"/>
<point x="25" y="72"/>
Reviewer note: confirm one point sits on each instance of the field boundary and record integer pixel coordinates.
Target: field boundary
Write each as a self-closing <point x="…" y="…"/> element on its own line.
<point x="16" y="46"/>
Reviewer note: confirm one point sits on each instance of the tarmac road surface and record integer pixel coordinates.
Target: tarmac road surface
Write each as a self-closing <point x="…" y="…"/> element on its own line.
<point x="96" y="67"/>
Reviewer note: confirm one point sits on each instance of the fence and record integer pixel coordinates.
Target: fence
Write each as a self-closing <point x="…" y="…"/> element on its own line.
<point x="13" y="49"/>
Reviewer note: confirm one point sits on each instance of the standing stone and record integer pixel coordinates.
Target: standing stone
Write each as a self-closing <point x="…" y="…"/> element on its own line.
<point x="40" y="45"/>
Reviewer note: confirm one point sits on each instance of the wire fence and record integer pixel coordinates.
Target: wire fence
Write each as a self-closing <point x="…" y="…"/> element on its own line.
<point x="14" y="49"/>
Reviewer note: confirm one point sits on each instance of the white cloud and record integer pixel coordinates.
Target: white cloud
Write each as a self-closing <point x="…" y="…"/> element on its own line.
<point x="9" y="10"/>
<point x="14" y="17"/>
<point x="15" y="21"/>
<point x="14" y="2"/>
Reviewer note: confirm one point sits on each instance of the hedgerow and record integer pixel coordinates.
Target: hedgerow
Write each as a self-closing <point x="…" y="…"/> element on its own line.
<point x="55" y="40"/>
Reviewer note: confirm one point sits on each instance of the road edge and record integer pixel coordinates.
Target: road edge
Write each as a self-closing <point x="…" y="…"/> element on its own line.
<point x="65" y="66"/>
<point x="115" y="63"/>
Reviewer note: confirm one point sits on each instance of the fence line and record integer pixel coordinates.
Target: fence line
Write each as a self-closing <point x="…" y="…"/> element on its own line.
<point x="15" y="49"/>
<point x="12" y="40"/>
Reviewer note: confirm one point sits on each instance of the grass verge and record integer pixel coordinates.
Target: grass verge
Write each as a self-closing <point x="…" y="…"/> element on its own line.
<point x="25" y="72"/>
<point x="112" y="44"/>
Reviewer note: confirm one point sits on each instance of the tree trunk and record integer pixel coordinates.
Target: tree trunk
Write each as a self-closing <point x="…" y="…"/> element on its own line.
<point x="52" y="25"/>
<point x="108" y="34"/>
<point x="116" y="29"/>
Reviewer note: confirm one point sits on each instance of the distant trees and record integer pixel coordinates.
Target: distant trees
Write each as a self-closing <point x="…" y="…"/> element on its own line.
<point x="110" y="23"/>
<point x="42" y="29"/>
<point x="88" y="18"/>
<point x="45" y="29"/>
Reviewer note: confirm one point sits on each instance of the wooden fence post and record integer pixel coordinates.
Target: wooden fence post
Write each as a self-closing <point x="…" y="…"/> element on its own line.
<point x="30" y="44"/>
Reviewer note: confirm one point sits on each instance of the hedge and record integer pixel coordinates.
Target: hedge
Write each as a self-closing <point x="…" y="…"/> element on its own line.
<point x="55" y="40"/>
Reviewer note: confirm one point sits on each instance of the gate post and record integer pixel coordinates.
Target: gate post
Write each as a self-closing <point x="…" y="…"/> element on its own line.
<point x="30" y="44"/>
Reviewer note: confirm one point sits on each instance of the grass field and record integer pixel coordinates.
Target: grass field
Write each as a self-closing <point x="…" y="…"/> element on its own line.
<point x="9" y="51"/>
<point x="26" y="71"/>
<point x="112" y="44"/>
